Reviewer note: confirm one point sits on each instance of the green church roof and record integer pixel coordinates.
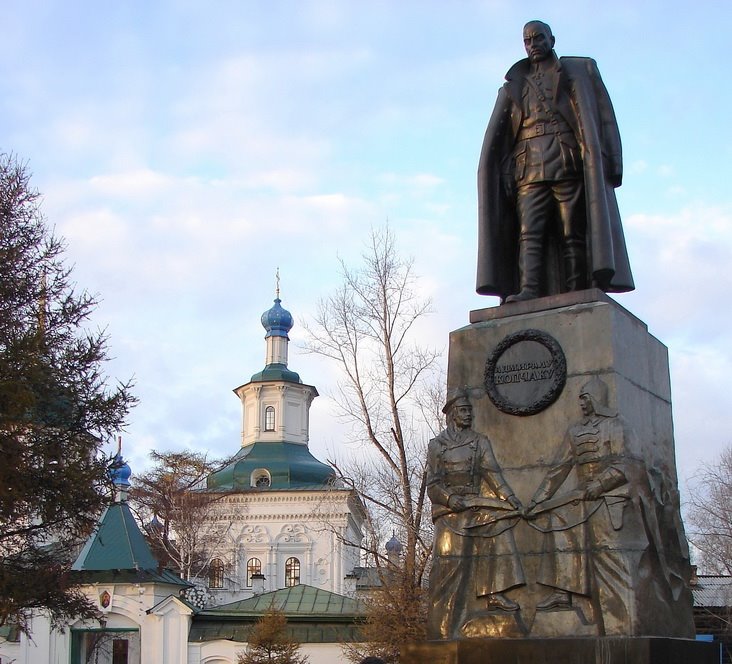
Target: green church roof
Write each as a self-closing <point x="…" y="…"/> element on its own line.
<point x="290" y="466"/>
<point x="117" y="543"/>
<point x="300" y="601"/>
<point x="313" y="616"/>
<point x="276" y="371"/>
<point x="117" y="551"/>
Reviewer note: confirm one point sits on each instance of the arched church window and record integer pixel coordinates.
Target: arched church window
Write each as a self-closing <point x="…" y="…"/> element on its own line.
<point x="269" y="418"/>
<point x="292" y="572"/>
<point x="216" y="573"/>
<point x="254" y="566"/>
<point x="261" y="478"/>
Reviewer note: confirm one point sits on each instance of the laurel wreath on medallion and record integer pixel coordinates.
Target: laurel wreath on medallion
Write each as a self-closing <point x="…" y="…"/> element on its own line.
<point x="559" y="377"/>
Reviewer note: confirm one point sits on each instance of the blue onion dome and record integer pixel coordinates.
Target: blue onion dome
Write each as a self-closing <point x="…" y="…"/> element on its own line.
<point x="277" y="320"/>
<point x="393" y="545"/>
<point x="119" y="472"/>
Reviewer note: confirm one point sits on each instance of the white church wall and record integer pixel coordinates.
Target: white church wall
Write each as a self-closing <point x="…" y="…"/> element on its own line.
<point x="273" y="526"/>
<point x="226" y="652"/>
<point x="9" y="651"/>
<point x="291" y="403"/>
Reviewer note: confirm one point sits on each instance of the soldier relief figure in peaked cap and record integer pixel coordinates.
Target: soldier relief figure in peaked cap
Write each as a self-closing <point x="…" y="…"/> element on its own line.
<point x="548" y="219"/>
<point x="475" y="561"/>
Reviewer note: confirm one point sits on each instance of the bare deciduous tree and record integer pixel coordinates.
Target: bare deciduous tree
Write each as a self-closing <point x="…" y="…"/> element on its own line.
<point x="176" y="514"/>
<point x="391" y="390"/>
<point x="709" y="515"/>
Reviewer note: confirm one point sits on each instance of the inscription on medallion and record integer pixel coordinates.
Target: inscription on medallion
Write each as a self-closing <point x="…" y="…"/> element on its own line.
<point x="525" y="373"/>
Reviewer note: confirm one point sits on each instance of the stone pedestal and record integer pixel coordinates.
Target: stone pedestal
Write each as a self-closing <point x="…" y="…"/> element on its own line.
<point x="538" y="355"/>
<point x="563" y="651"/>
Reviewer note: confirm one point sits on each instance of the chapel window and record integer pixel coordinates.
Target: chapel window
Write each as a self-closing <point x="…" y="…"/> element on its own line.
<point x="269" y="418"/>
<point x="254" y="566"/>
<point x="216" y="574"/>
<point x="260" y="478"/>
<point x="292" y="572"/>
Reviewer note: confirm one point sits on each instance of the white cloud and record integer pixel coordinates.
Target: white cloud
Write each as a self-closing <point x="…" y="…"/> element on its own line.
<point x="666" y="170"/>
<point x="680" y="265"/>
<point x="183" y="166"/>
<point x="637" y="167"/>
<point x="132" y="184"/>
<point x="417" y="181"/>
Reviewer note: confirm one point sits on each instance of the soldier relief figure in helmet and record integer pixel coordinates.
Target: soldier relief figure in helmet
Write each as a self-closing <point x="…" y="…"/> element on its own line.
<point x="607" y="535"/>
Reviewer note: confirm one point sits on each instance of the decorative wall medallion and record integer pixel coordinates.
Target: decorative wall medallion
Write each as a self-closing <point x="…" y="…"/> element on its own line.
<point x="525" y="373"/>
<point x="105" y="599"/>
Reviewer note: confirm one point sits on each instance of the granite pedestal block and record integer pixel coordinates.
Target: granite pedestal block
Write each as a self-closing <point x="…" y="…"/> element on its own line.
<point x="524" y="366"/>
<point x="607" y="650"/>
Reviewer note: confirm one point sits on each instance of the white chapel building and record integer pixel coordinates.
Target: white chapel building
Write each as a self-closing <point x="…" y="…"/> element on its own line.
<point x="291" y="543"/>
<point x="290" y="523"/>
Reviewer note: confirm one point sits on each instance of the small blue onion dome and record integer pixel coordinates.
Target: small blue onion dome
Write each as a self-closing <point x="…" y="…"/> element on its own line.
<point x="277" y="320"/>
<point x="119" y="472"/>
<point x="393" y="545"/>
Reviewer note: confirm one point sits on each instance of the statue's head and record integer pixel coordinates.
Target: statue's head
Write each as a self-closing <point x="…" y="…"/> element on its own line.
<point x="594" y="398"/>
<point x="538" y="40"/>
<point x="458" y="408"/>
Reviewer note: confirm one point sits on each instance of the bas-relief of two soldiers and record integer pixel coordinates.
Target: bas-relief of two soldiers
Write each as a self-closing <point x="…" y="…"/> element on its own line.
<point x="607" y="542"/>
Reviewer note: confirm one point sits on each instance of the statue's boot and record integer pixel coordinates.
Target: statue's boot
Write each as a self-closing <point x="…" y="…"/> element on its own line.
<point x="530" y="254"/>
<point x="500" y="601"/>
<point x="559" y="599"/>
<point x="575" y="266"/>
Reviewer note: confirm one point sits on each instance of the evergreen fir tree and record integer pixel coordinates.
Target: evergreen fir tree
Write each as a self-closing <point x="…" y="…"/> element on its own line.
<point x="56" y="412"/>
<point x="270" y="644"/>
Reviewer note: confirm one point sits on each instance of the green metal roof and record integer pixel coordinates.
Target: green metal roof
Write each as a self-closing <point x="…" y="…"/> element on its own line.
<point x="290" y="465"/>
<point x="116" y="544"/>
<point x="10" y="633"/>
<point x="130" y="576"/>
<point x="301" y="632"/>
<point x="313" y="616"/>
<point x="301" y="601"/>
<point x="276" y="371"/>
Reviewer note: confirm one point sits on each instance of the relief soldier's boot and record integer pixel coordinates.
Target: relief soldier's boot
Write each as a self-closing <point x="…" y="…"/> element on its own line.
<point x="559" y="599"/>
<point x="500" y="601"/>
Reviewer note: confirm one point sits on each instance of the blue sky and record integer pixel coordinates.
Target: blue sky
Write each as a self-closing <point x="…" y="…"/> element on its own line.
<point x="185" y="150"/>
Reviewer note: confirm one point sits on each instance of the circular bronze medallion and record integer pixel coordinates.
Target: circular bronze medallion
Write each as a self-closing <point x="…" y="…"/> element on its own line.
<point x="525" y="373"/>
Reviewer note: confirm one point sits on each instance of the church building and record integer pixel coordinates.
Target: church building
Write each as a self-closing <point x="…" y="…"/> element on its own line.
<point x="291" y="543"/>
<point x="290" y="523"/>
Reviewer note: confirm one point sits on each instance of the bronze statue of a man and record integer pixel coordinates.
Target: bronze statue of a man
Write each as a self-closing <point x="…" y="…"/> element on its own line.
<point x="551" y="158"/>
<point x="475" y="561"/>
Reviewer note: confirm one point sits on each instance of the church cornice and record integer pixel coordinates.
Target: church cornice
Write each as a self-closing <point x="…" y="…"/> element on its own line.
<point x="309" y="496"/>
<point x="317" y="517"/>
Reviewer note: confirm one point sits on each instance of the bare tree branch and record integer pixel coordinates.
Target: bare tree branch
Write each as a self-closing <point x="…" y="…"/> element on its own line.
<point x="368" y="327"/>
<point x="709" y="515"/>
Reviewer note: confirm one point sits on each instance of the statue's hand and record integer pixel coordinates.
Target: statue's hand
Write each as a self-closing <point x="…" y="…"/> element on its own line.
<point x="456" y="503"/>
<point x="528" y="512"/>
<point x="515" y="503"/>
<point x="593" y="490"/>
